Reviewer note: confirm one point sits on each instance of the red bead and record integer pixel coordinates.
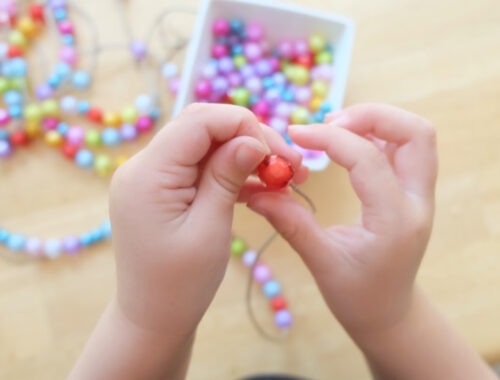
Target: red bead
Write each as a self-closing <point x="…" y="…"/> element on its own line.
<point x="278" y="303"/>
<point x="14" y="51"/>
<point x="37" y="13"/>
<point x="95" y="114"/>
<point x="69" y="150"/>
<point x="275" y="172"/>
<point x="306" y="60"/>
<point x="19" y="138"/>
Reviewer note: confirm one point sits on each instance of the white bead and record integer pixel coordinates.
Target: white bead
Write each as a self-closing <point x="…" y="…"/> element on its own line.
<point x="52" y="248"/>
<point x="144" y="104"/>
<point x="69" y="104"/>
<point x="4" y="48"/>
<point x="170" y="70"/>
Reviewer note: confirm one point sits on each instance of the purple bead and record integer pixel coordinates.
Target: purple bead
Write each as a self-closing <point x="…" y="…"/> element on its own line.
<point x="5" y="149"/>
<point x="255" y="31"/>
<point x="272" y="96"/>
<point x="261" y="273"/>
<point x="283" y="110"/>
<point x="68" y="55"/>
<point x="234" y="79"/>
<point x="263" y="68"/>
<point x="220" y="86"/>
<point x="301" y="47"/>
<point x="279" y="79"/>
<point x="128" y="132"/>
<point x="303" y="95"/>
<point x="209" y="70"/>
<point x="4" y="117"/>
<point x="174" y="85"/>
<point x="57" y="3"/>
<point x="285" y="49"/>
<point x="203" y="90"/>
<point x="254" y="85"/>
<point x="75" y="136"/>
<point x="283" y="319"/>
<point x="138" y="50"/>
<point x="249" y="258"/>
<point x="144" y="124"/>
<point x="71" y="245"/>
<point x="247" y="71"/>
<point x="252" y="51"/>
<point x="279" y="125"/>
<point x="44" y="91"/>
<point x="34" y="247"/>
<point x="226" y="65"/>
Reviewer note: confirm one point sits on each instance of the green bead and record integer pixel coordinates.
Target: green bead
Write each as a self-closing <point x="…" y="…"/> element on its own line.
<point x="300" y="116"/>
<point x="240" y="96"/>
<point x="4" y="85"/>
<point x="93" y="137"/>
<point x="238" y="247"/>
<point x="239" y="61"/>
<point x="17" y="38"/>
<point x="103" y="165"/>
<point x="298" y="75"/>
<point x="317" y="43"/>
<point x="320" y="89"/>
<point x="324" y="57"/>
<point x="33" y="112"/>
<point x="50" y="108"/>
<point x="130" y="115"/>
<point x="18" y="83"/>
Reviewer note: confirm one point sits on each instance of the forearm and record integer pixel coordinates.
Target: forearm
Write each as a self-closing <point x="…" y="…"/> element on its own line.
<point x="119" y="349"/>
<point x="422" y="346"/>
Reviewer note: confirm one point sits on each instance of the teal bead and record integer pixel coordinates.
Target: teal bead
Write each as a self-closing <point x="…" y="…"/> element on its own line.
<point x="84" y="158"/>
<point x="16" y="242"/>
<point x="4" y="236"/>
<point x="271" y="289"/>
<point x="110" y="137"/>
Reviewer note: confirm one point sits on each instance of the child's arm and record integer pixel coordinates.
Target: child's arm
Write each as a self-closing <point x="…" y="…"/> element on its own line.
<point x="171" y="210"/>
<point x="366" y="272"/>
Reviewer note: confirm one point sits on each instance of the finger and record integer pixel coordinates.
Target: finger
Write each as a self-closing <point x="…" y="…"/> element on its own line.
<point x="415" y="159"/>
<point x="254" y="186"/>
<point x="298" y="227"/>
<point x="371" y="175"/>
<point x="224" y="174"/>
<point x="185" y="141"/>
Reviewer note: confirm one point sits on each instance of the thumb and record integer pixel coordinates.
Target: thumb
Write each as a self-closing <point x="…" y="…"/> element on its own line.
<point x="225" y="174"/>
<point x="296" y="225"/>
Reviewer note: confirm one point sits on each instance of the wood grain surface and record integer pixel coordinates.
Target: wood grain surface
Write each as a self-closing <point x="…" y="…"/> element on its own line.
<point x="437" y="58"/>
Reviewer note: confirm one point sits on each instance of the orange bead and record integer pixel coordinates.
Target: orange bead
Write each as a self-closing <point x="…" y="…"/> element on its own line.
<point x="54" y="139"/>
<point x="112" y="119"/>
<point x="275" y="172"/>
<point x="27" y="26"/>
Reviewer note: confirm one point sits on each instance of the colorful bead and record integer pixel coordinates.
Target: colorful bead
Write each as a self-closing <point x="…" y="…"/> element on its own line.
<point x="53" y="139"/>
<point x="52" y="248"/>
<point x="275" y="172"/>
<point x="271" y="289"/>
<point x="84" y="158"/>
<point x="238" y="247"/>
<point x="262" y="273"/>
<point x="103" y="165"/>
<point x="81" y="80"/>
<point x="283" y="319"/>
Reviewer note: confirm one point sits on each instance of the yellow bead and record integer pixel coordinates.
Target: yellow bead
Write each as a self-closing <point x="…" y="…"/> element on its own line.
<point x="50" y="108"/>
<point x="17" y="38"/>
<point x="103" y="165"/>
<point x="130" y="115"/>
<point x="27" y="26"/>
<point x="32" y="129"/>
<point x="120" y="160"/>
<point x="317" y="42"/>
<point x="33" y="113"/>
<point x="320" y="89"/>
<point x="54" y="139"/>
<point x="316" y="103"/>
<point x="112" y="119"/>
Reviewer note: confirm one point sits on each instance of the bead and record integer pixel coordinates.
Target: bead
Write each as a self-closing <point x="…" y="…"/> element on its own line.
<point x="50" y="108"/>
<point x="315" y="103"/>
<point x="81" y="80"/>
<point x="138" y="50"/>
<point x="238" y="247"/>
<point x="69" y="105"/>
<point x="170" y="70"/>
<point x="19" y="67"/>
<point x="323" y="57"/>
<point x="4" y="85"/>
<point x="283" y="110"/>
<point x="261" y="108"/>
<point x="16" y="111"/>
<point x="209" y="70"/>
<point x="255" y="31"/>
<point x="285" y="49"/>
<point x="93" y="138"/>
<point x="275" y="172"/>
<point x="69" y="150"/>
<point x="300" y="116"/>
<point x="219" y="51"/>
<point x="33" y="247"/>
<point x="37" y="13"/>
<point x="203" y="90"/>
<point x="249" y="258"/>
<point x="120" y="160"/>
<point x="271" y="289"/>
<point x="237" y="26"/>
<point x="278" y="303"/>
<point x="303" y="95"/>
<point x="17" y="38"/>
<point x="103" y="165"/>
<point x="4" y="236"/>
<point x="283" y="319"/>
<point x="33" y="113"/>
<point x="254" y="85"/>
<point x="144" y="124"/>
<point x="83" y="107"/>
<point x="43" y="92"/>
<point x="220" y="28"/>
<point x="301" y="46"/>
<point x="53" y="139"/>
<point x="66" y="27"/>
<point x="71" y="245"/>
<point x="253" y="52"/>
<point x="234" y="79"/>
<point x="240" y="96"/>
<point x="128" y="132"/>
<point x="95" y="115"/>
<point x="144" y="104"/>
<point x="129" y="115"/>
<point x="226" y="65"/>
<point x="111" y="119"/>
<point x="279" y="125"/>
<point x="18" y="84"/>
<point x="239" y="61"/>
<point x="16" y="242"/>
<point x="15" y="51"/>
<point x="111" y="137"/>
<point x="68" y="55"/>
<point x="84" y="158"/>
<point x="5" y="149"/>
<point x="19" y="138"/>
<point x="262" y="273"/>
<point x="4" y="118"/>
<point x="317" y="43"/>
<point x="63" y="70"/>
<point x="298" y="75"/>
<point x="52" y="248"/>
<point x="50" y="123"/>
<point x="220" y="85"/>
<point x="263" y="68"/>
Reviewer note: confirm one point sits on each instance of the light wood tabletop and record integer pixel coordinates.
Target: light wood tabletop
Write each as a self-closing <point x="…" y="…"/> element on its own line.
<point x="440" y="59"/>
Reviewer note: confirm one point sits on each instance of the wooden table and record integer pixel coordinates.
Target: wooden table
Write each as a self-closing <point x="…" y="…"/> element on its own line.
<point x="440" y="59"/>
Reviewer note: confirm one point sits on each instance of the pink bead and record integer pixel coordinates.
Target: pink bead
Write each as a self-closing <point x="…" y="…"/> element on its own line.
<point x="285" y="49"/>
<point x="301" y="47"/>
<point x="275" y="64"/>
<point x="252" y="51"/>
<point x="261" y="108"/>
<point x="221" y="28"/>
<point x="203" y="90"/>
<point x="219" y="51"/>
<point x="144" y="124"/>
<point x="303" y="95"/>
<point x="255" y="31"/>
<point x="34" y="247"/>
<point x="66" y="27"/>
<point x="174" y="85"/>
<point x="279" y="125"/>
<point x="76" y="136"/>
<point x="262" y="273"/>
<point x="4" y="118"/>
<point x="249" y="258"/>
<point x="50" y="124"/>
<point x="68" y="55"/>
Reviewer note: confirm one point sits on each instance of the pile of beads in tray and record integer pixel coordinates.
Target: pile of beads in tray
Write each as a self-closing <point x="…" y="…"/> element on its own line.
<point x="284" y="84"/>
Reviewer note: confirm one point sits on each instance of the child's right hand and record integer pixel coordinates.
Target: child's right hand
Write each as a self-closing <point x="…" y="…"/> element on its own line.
<point x="366" y="272"/>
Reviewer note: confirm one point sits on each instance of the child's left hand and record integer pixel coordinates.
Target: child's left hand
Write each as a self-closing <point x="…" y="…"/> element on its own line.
<point x="172" y="208"/>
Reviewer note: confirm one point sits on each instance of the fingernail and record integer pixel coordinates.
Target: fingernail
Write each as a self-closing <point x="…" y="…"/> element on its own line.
<point x="249" y="155"/>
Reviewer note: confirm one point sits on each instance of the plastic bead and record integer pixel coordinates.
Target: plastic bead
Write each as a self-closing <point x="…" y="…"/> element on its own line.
<point x="53" y="139"/>
<point x="103" y="165"/>
<point x="271" y="289"/>
<point x="283" y="319"/>
<point x="275" y="172"/>
<point x="262" y="273"/>
<point x="249" y="258"/>
<point x="16" y="243"/>
<point x="110" y="137"/>
<point x="93" y="138"/>
<point x="238" y="247"/>
<point x="52" y="248"/>
<point x="278" y="303"/>
<point x="84" y="158"/>
<point x="81" y="80"/>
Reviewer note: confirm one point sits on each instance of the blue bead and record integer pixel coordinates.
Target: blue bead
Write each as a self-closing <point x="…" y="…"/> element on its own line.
<point x="68" y="40"/>
<point x="155" y="114"/>
<point x="237" y="26"/>
<point x="54" y="81"/>
<point x="83" y="107"/>
<point x="110" y="137"/>
<point x="106" y="229"/>
<point x="19" y="67"/>
<point x="4" y="135"/>
<point x="84" y="158"/>
<point x="326" y="108"/>
<point x="8" y="70"/>
<point x="288" y="96"/>
<point x="4" y="236"/>
<point x="81" y="80"/>
<point x="63" y="70"/>
<point x="63" y="128"/>
<point x="237" y="49"/>
<point x="60" y="14"/>
<point x="16" y="242"/>
<point x="268" y="82"/>
<point x="85" y="240"/>
<point x="13" y="98"/>
<point x="253" y="99"/>
<point x="96" y="236"/>
<point x="271" y="289"/>
<point x="318" y="117"/>
<point x="16" y="112"/>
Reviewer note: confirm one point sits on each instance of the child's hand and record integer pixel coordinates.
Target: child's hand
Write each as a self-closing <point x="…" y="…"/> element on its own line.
<point x="366" y="272"/>
<point x="172" y="208"/>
